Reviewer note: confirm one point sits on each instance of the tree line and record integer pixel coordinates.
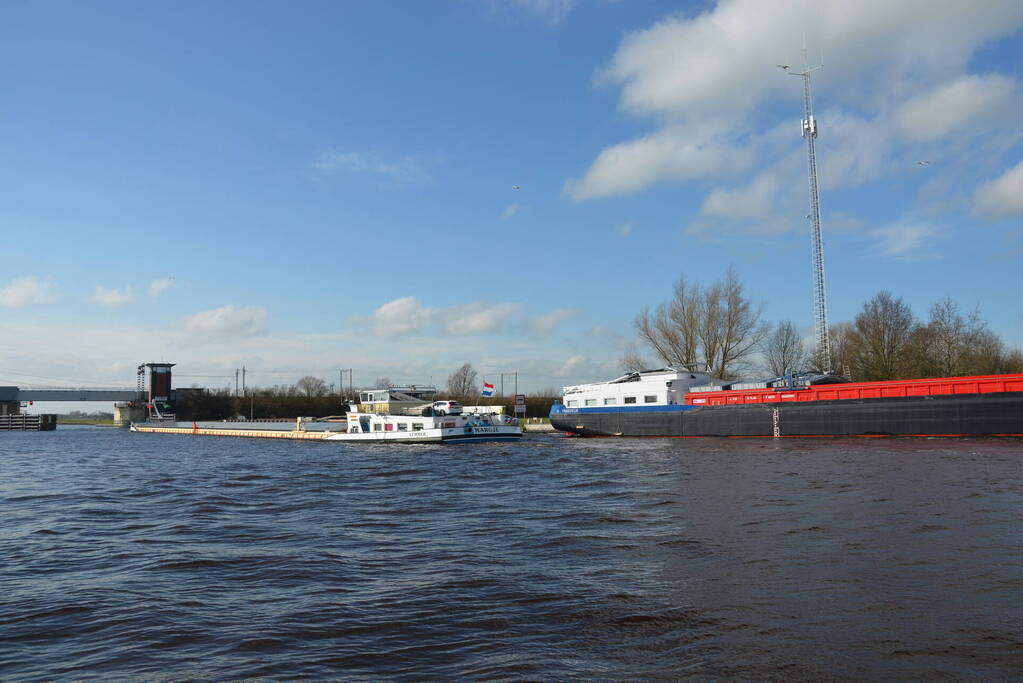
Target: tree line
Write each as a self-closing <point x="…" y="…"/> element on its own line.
<point x="312" y="397"/>
<point x="721" y="328"/>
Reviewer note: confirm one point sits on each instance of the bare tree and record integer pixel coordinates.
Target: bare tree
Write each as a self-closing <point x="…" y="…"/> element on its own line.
<point x="785" y="350"/>
<point x="718" y="326"/>
<point x="736" y="323"/>
<point x="881" y="334"/>
<point x="631" y="361"/>
<point x="463" y="381"/>
<point x="843" y="338"/>
<point x="382" y="383"/>
<point x="311" y="386"/>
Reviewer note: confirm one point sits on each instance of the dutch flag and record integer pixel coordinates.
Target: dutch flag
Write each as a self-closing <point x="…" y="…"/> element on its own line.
<point x="488" y="389"/>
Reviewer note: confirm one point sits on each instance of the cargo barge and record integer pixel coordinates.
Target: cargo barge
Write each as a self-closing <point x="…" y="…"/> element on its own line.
<point x="680" y="403"/>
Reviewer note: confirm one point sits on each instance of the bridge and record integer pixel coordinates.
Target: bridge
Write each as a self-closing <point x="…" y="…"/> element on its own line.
<point x="67" y="394"/>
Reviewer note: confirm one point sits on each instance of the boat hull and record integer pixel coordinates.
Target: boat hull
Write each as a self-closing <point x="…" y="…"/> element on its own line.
<point x="460" y="434"/>
<point x="952" y="415"/>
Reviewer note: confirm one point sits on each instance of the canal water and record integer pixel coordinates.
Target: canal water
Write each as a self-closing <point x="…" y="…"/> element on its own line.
<point x="134" y="557"/>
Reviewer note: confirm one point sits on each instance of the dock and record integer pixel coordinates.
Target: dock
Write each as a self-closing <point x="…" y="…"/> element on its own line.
<point x="28" y="423"/>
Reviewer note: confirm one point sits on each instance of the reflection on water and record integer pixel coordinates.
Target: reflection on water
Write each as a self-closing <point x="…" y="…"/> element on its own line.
<point x="162" y="557"/>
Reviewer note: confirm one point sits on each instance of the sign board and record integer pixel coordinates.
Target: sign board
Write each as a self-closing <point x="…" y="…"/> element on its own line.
<point x="520" y="399"/>
<point x="520" y="410"/>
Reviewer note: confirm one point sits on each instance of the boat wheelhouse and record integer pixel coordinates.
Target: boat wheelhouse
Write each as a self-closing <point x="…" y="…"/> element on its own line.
<point x="635" y="390"/>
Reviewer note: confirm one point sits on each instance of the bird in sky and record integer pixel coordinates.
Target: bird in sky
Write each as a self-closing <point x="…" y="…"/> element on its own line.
<point x="516" y="187"/>
<point x="782" y="66"/>
<point x="924" y="162"/>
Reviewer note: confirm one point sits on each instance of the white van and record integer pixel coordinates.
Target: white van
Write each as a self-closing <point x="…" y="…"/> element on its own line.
<point x="447" y="408"/>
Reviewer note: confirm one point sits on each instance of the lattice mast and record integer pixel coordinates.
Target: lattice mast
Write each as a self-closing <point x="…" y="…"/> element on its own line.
<point x="820" y="297"/>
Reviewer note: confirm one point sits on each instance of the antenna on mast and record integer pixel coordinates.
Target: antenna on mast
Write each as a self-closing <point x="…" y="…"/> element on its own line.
<point x="822" y="353"/>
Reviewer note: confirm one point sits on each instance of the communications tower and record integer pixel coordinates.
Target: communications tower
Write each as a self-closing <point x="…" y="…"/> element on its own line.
<point x="822" y="353"/>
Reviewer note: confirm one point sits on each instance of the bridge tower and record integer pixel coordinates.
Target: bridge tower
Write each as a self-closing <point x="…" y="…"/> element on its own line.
<point x="160" y="400"/>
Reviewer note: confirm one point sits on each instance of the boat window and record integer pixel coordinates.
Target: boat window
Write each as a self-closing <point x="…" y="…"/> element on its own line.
<point x="376" y="427"/>
<point x="630" y="399"/>
<point x="573" y="404"/>
<point x="403" y="426"/>
<point x="610" y="401"/>
<point x="649" y="399"/>
<point x="416" y="426"/>
<point x="388" y="427"/>
<point x="591" y="401"/>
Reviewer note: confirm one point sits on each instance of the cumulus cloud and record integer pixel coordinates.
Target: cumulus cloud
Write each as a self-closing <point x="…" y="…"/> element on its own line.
<point x="954" y="104"/>
<point x="545" y="324"/>
<point x="708" y="85"/>
<point x="510" y="211"/>
<point x="575" y="365"/>
<point x="672" y="154"/>
<point x="158" y="287"/>
<point x="25" y="291"/>
<point x="906" y="239"/>
<point x="1002" y="196"/>
<point x="408" y="315"/>
<point x="112" y="297"/>
<point x="228" y="321"/>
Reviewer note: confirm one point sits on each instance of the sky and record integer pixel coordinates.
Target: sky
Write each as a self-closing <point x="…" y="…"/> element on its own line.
<point x="399" y="188"/>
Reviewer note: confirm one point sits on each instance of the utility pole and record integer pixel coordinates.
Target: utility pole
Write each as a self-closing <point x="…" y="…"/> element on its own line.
<point x="510" y="374"/>
<point x="236" y="381"/>
<point x="820" y="299"/>
<point x="243" y="380"/>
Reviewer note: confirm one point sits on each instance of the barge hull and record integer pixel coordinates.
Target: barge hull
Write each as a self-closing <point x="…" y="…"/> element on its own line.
<point x="997" y="414"/>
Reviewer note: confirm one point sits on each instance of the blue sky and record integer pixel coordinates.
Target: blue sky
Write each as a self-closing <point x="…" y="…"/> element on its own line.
<point x="302" y="187"/>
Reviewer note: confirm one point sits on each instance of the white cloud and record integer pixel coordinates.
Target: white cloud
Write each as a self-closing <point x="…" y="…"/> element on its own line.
<point x="1002" y="196"/>
<point x="624" y="229"/>
<point x="477" y="318"/>
<point x="158" y="287"/>
<point x="399" y="170"/>
<point x="551" y="12"/>
<point x="545" y="324"/>
<point x="906" y="239"/>
<point x="575" y="365"/>
<point x="954" y="104"/>
<point x="25" y="291"/>
<point x="510" y="211"/>
<point x="112" y="297"/>
<point x="708" y="84"/>
<point x="407" y="315"/>
<point x="670" y="154"/>
<point x="228" y="321"/>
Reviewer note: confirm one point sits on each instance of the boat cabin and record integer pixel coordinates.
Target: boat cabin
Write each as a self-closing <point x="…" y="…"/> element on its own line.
<point x="666" y="386"/>
<point x="396" y="400"/>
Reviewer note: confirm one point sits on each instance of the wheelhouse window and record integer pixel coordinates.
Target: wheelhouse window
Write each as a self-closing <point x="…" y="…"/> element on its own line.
<point x="403" y="426"/>
<point x="377" y="427"/>
<point x="630" y="399"/>
<point x="650" y="399"/>
<point x="610" y="401"/>
<point x="591" y="401"/>
<point x="417" y="426"/>
<point x="573" y="404"/>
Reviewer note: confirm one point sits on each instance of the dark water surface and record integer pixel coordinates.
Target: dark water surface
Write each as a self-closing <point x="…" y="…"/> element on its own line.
<point x="156" y="557"/>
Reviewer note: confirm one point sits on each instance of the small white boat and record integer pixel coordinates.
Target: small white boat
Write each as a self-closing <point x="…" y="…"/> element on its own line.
<point x="428" y="429"/>
<point x="393" y="415"/>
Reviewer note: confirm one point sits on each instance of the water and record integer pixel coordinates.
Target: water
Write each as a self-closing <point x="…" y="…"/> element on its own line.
<point x="151" y="557"/>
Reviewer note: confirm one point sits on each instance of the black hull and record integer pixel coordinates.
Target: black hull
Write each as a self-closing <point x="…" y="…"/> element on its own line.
<point x="958" y="415"/>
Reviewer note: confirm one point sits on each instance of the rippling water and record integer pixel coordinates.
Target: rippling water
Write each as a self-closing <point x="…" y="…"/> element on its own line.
<point x="150" y="557"/>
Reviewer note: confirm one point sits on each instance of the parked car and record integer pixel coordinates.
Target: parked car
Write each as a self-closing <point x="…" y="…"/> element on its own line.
<point x="447" y="408"/>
